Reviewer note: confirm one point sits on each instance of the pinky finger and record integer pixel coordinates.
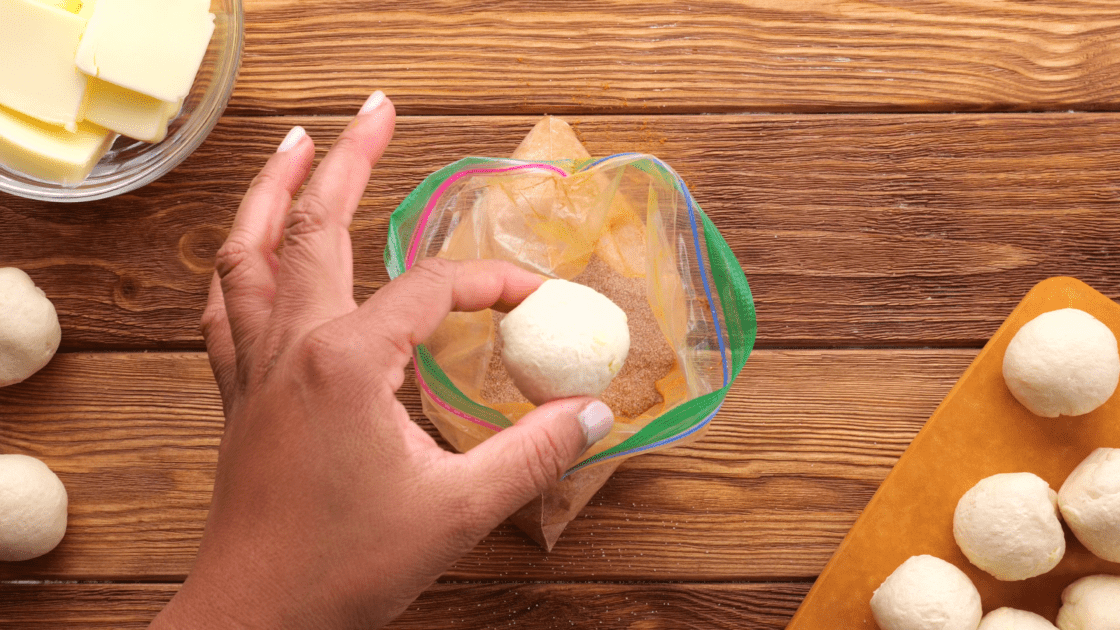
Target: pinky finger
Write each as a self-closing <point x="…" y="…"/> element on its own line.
<point x="219" y="342"/>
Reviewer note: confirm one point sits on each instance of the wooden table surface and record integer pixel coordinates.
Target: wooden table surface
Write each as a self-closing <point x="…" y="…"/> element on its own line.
<point x="893" y="175"/>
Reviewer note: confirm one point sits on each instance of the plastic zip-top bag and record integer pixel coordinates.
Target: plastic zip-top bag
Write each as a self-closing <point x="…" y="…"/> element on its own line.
<point x="627" y="226"/>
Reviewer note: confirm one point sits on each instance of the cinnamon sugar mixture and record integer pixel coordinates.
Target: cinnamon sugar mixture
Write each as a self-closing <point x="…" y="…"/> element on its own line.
<point x="651" y="357"/>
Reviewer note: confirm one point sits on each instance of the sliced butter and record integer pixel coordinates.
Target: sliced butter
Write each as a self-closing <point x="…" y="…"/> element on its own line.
<point x="37" y="73"/>
<point x="48" y="152"/>
<point x="128" y="113"/>
<point x="73" y="6"/>
<point x="154" y="47"/>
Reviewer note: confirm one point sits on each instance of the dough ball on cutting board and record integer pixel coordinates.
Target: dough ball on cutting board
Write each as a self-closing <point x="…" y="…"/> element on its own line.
<point x="926" y="593"/>
<point x="564" y="340"/>
<point x="32" y="508"/>
<point x="1008" y="525"/>
<point x="1091" y="603"/>
<point x="1014" y="619"/>
<point x="29" y="329"/>
<point x="1064" y="362"/>
<point x="1090" y="503"/>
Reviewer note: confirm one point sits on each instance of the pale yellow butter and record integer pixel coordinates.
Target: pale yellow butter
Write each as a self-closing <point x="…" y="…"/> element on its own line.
<point x="48" y="152"/>
<point x="154" y="47"/>
<point x="37" y="73"/>
<point x="73" y="6"/>
<point x="128" y="113"/>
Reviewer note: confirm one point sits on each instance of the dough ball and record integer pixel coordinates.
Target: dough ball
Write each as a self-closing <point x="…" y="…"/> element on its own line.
<point x="1008" y="526"/>
<point x="1090" y="503"/>
<point x="926" y="593"/>
<point x="1014" y="619"/>
<point x="1091" y="603"/>
<point x="29" y="330"/>
<point x="564" y="340"/>
<point x="1063" y="362"/>
<point x="32" y="508"/>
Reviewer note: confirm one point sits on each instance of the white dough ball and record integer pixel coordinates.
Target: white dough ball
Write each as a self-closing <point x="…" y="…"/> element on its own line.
<point x="1014" y="619"/>
<point x="926" y="593"/>
<point x="32" y="508"/>
<point x="1008" y="525"/>
<point x="564" y="340"/>
<point x="29" y="330"/>
<point x="1090" y="503"/>
<point x="1091" y="603"/>
<point x="1063" y="362"/>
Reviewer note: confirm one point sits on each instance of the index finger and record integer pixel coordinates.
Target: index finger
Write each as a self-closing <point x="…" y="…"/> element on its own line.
<point x="408" y="310"/>
<point x="315" y="279"/>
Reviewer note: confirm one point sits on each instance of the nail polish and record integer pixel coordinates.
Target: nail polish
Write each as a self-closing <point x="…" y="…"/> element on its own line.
<point x="373" y="102"/>
<point x="292" y="139"/>
<point x="596" y="419"/>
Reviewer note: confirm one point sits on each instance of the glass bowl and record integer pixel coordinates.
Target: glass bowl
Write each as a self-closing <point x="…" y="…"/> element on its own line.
<point x="130" y="164"/>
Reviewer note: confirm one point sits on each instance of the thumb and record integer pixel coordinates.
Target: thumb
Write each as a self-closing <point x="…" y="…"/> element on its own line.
<point x="524" y="460"/>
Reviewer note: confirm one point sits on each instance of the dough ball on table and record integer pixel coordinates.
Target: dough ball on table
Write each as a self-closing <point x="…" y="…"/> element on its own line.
<point x="1008" y="526"/>
<point x="1063" y="362"/>
<point x="564" y="340"/>
<point x="32" y="508"/>
<point x="1091" y="603"/>
<point x="926" y="593"/>
<point x="1014" y="619"/>
<point x="1090" y="503"/>
<point x="29" y="330"/>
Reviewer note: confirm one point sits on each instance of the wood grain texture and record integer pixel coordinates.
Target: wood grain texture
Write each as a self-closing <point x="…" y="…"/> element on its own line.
<point x="802" y="443"/>
<point x="708" y="56"/>
<point x="876" y="230"/>
<point x="457" y="605"/>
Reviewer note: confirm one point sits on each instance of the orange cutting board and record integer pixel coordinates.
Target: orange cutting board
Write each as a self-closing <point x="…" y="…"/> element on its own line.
<point x="978" y="430"/>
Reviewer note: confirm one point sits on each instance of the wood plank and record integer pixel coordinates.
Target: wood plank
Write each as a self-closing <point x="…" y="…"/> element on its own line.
<point x="877" y="230"/>
<point x="459" y="605"/>
<point x="709" y="56"/>
<point x="802" y="443"/>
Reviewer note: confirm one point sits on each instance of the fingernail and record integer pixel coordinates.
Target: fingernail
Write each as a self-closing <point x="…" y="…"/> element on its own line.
<point x="596" y="420"/>
<point x="292" y="139"/>
<point x="373" y="102"/>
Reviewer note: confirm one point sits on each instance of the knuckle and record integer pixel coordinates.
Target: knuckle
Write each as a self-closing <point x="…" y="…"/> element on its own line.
<point x="212" y="317"/>
<point x="350" y="146"/>
<point x="325" y="352"/>
<point x="308" y="215"/>
<point x="265" y="179"/>
<point x="545" y="461"/>
<point x="433" y="269"/>
<point x="235" y="253"/>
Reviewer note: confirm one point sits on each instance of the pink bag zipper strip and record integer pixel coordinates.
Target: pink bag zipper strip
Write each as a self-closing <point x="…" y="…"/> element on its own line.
<point x="439" y="401"/>
<point x="419" y="231"/>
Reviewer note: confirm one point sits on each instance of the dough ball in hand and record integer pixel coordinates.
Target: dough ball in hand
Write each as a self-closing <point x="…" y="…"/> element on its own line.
<point x="564" y="340"/>
<point x="1090" y="503"/>
<point x="29" y="330"/>
<point x="32" y="508"/>
<point x="1008" y="526"/>
<point x="1014" y="619"/>
<point x="926" y="593"/>
<point x="1063" y="362"/>
<point x="1091" y="603"/>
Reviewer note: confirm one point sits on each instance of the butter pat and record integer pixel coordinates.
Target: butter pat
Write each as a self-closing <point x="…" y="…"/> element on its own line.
<point x="48" y="152"/>
<point x="128" y="113"/>
<point x="73" y="6"/>
<point x="37" y="73"/>
<point x="153" y="47"/>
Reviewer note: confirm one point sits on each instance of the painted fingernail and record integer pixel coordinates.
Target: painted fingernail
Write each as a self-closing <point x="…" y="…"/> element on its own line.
<point x="596" y="420"/>
<point x="373" y="102"/>
<point x="292" y="139"/>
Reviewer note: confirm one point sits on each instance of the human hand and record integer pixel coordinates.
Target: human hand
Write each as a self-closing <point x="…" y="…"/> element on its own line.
<point x="331" y="508"/>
